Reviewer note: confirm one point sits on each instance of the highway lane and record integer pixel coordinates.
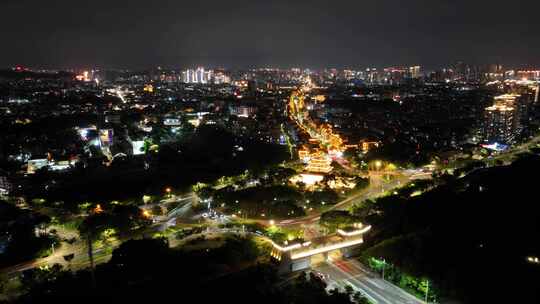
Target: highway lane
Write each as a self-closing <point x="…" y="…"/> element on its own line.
<point x="185" y="204"/>
<point x="352" y="273"/>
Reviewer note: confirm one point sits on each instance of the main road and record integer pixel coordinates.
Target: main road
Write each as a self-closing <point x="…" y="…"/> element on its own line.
<point x="101" y="253"/>
<point x="351" y="273"/>
<point x="377" y="187"/>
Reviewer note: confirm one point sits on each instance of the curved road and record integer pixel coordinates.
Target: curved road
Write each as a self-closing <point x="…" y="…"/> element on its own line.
<point x="376" y="188"/>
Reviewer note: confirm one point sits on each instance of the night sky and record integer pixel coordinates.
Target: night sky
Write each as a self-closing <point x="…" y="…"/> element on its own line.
<point x="254" y="33"/>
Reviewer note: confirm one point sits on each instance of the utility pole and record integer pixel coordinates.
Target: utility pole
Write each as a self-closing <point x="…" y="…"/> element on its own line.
<point x="427" y="291"/>
<point x="383" y="267"/>
<point x="91" y="257"/>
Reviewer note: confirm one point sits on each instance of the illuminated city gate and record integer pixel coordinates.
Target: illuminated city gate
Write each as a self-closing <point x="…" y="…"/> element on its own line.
<point x="332" y="255"/>
<point x="298" y="255"/>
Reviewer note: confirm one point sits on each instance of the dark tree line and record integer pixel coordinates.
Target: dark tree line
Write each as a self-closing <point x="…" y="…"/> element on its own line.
<point x="472" y="235"/>
<point x="148" y="269"/>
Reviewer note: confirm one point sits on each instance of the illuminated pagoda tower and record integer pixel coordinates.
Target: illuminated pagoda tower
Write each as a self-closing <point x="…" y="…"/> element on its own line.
<point x="319" y="162"/>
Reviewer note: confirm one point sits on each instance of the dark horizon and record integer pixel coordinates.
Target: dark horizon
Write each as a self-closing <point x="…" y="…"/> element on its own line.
<point x="151" y="67"/>
<point x="242" y="34"/>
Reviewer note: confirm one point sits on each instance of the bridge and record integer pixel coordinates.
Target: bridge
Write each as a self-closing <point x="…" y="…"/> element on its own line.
<point x="297" y="254"/>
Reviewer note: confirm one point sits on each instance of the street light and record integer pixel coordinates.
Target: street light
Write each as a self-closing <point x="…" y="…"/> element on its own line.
<point x="378" y="165"/>
<point x="98" y="209"/>
<point x="383" y="267"/>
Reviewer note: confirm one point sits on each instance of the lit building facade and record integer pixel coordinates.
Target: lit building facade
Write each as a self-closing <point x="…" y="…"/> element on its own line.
<point x="5" y="185"/>
<point x="502" y="121"/>
<point x="242" y="110"/>
<point x="414" y="71"/>
<point x="319" y="162"/>
<point x="200" y="75"/>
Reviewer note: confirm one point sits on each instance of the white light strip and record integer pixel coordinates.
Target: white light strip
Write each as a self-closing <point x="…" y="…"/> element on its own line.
<point x="285" y="248"/>
<point x="325" y="249"/>
<point x="355" y="232"/>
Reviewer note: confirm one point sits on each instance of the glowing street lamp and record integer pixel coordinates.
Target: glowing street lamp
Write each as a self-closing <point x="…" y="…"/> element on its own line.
<point x="98" y="209"/>
<point x="533" y="260"/>
<point x="378" y="165"/>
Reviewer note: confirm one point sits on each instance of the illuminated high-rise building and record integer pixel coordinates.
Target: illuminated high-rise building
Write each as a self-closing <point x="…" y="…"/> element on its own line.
<point x="200" y="75"/>
<point x="528" y="75"/>
<point x="242" y="110"/>
<point x="5" y="185"/>
<point x="414" y="71"/>
<point x="372" y="75"/>
<point x="502" y="120"/>
<point x="220" y="78"/>
<point x="188" y="76"/>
